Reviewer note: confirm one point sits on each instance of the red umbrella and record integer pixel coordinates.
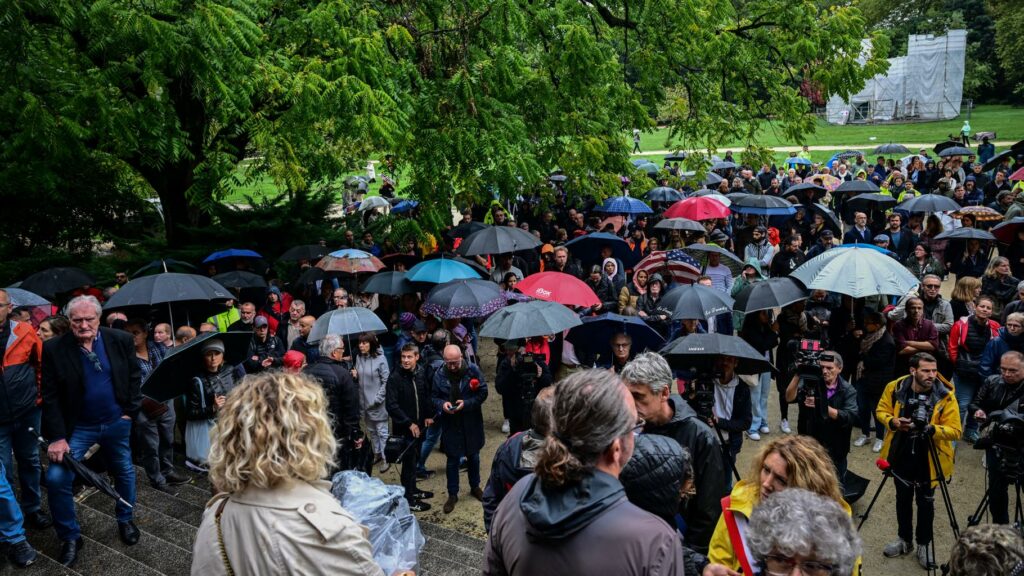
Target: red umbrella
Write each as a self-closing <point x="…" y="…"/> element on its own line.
<point x="558" y="287"/>
<point x="1018" y="175"/>
<point x="697" y="208"/>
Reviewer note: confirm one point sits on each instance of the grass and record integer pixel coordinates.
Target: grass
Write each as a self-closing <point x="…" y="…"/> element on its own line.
<point x="1006" y="121"/>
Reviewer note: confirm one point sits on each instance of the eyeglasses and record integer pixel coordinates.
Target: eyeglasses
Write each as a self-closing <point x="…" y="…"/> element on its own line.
<point x="95" y="360"/>
<point x="638" y="427"/>
<point x="777" y="565"/>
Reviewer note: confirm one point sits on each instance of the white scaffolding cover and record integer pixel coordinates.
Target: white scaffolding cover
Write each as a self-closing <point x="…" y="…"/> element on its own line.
<point x="926" y="84"/>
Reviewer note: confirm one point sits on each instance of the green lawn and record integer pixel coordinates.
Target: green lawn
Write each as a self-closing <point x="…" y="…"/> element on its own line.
<point x="1006" y="121"/>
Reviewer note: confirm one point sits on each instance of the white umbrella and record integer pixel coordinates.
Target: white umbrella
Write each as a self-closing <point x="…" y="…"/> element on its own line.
<point x="374" y="202"/>
<point x="858" y="270"/>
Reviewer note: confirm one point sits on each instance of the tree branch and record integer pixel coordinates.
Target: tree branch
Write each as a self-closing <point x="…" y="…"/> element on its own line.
<point x="609" y="18"/>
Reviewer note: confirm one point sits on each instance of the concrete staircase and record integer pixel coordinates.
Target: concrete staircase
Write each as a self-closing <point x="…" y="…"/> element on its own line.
<point x="169" y="525"/>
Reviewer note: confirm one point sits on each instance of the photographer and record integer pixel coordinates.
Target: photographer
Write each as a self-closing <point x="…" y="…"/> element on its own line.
<point x="520" y="376"/>
<point x="832" y="423"/>
<point x="998" y="392"/>
<point x="919" y="410"/>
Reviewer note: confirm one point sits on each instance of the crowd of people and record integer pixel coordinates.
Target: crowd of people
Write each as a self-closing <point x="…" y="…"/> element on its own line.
<point x="609" y="466"/>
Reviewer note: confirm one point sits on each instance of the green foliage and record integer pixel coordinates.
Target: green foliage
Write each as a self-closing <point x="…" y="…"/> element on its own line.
<point x="1010" y="43"/>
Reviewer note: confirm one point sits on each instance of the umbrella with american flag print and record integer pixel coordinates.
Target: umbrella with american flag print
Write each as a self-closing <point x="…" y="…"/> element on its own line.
<point x="675" y="264"/>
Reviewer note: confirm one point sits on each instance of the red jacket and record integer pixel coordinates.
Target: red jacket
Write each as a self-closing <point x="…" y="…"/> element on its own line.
<point x="958" y="335"/>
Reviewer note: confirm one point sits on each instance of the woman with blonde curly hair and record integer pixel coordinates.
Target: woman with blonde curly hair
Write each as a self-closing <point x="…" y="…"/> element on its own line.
<point x="272" y="444"/>
<point x="786" y="462"/>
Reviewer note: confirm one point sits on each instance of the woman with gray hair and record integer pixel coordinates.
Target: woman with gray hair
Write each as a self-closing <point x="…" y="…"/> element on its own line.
<point x="572" y="515"/>
<point x="797" y="527"/>
<point x="988" y="550"/>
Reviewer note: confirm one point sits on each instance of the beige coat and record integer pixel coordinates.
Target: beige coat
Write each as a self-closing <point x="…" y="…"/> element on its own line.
<point x="297" y="528"/>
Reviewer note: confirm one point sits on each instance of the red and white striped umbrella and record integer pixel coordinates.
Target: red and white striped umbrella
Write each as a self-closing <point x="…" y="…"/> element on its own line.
<point x="680" y="266"/>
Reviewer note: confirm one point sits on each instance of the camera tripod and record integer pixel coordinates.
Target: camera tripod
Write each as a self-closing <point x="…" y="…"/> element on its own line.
<point x="1018" y="508"/>
<point x="943" y="489"/>
<point x="725" y="450"/>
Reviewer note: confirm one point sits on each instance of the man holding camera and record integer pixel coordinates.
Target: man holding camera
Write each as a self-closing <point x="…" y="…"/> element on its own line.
<point x="999" y="392"/>
<point x="921" y="411"/>
<point x="520" y="377"/>
<point x="828" y="406"/>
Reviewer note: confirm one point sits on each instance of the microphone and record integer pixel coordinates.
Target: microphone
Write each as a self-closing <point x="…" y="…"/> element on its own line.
<point x="882" y="464"/>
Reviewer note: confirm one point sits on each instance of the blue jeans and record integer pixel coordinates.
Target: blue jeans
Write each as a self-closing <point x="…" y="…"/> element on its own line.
<point x="430" y="440"/>
<point x="15" y="436"/>
<point x="113" y="438"/>
<point x="866" y="404"/>
<point x="759" y="400"/>
<point x="12" y="529"/>
<point x="965" y="390"/>
<point x="452" y="471"/>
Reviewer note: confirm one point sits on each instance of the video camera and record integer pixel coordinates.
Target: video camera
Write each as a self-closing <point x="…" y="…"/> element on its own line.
<point x="808" y="357"/>
<point x="1004" y="433"/>
<point x="920" y="410"/>
<point x="700" y="394"/>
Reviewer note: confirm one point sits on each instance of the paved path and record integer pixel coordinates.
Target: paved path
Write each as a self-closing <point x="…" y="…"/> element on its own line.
<point x="872" y="146"/>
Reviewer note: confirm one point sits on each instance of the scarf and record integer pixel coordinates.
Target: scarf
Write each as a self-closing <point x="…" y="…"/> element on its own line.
<point x="865" y="344"/>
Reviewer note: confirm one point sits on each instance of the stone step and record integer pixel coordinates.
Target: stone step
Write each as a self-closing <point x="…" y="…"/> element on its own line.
<point x="157" y="524"/>
<point x="43" y="566"/>
<point x="95" y="558"/>
<point x="151" y="550"/>
<point x="437" y="566"/>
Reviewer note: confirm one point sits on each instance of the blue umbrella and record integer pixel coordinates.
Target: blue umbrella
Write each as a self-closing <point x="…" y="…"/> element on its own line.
<point x="794" y="160"/>
<point x="624" y="205"/>
<point x="230" y="253"/>
<point x="588" y="248"/>
<point x="440" y="271"/>
<point x="21" y="298"/>
<point x="595" y="334"/>
<point x="638" y="162"/>
<point x="404" y="206"/>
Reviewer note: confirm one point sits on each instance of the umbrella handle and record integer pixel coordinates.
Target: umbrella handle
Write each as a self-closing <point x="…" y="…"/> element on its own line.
<point x="88" y="453"/>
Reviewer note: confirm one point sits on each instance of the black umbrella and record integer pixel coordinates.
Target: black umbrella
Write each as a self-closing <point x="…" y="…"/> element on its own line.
<point x="966" y="234"/>
<point x="53" y="281"/>
<point x="345" y="322"/>
<point x="165" y="265"/>
<point x="464" y="299"/>
<point x="664" y="194"/>
<point x="390" y="283"/>
<point x="172" y="377"/>
<point x="947" y="144"/>
<point x="724" y="165"/>
<point x="393" y="260"/>
<point x="528" y="319"/>
<point x="702" y="349"/>
<point x="857" y="187"/>
<point x="831" y="220"/>
<point x="677" y="156"/>
<point x="588" y="248"/>
<point x="310" y="275"/>
<point x="770" y="293"/>
<point x="819" y="191"/>
<point x="596" y="333"/>
<point x="865" y="202"/>
<point x="681" y="224"/>
<point x="497" y="240"/>
<point x="956" y="151"/>
<point x="929" y="203"/>
<point x="465" y="229"/>
<point x="998" y="159"/>
<point x="84" y="473"/>
<point x="696" y="302"/>
<point x="711" y="179"/>
<point x="1006" y="232"/>
<point x="731" y="260"/>
<point x="304" y="252"/>
<point x="240" y="279"/>
<point x="165" y="288"/>
<point x="891" y="149"/>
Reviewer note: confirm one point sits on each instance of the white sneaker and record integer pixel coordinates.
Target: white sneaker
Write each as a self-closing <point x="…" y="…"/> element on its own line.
<point x="505" y="427"/>
<point x="877" y="447"/>
<point x="754" y="436"/>
<point x="765" y="429"/>
<point x="785" y="427"/>
<point x="860" y="441"/>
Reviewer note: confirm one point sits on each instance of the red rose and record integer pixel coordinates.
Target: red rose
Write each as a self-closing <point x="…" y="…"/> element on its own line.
<point x="474" y="384"/>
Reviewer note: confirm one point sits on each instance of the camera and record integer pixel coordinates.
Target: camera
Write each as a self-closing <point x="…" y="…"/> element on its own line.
<point x="1004" y="433"/>
<point x="700" y="395"/>
<point x="526" y="375"/>
<point x="919" y="410"/>
<point x="808" y="357"/>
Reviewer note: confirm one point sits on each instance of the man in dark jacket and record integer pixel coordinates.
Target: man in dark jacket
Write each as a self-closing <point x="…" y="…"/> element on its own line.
<point x="517" y="457"/>
<point x="874" y="370"/>
<point x="458" y="393"/>
<point x="649" y="380"/>
<point x="789" y="259"/>
<point x="265" y="350"/>
<point x="432" y="362"/>
<point x="302" y="343"/>
<point x="998" y="392"/>
<point x="342" y="396"/>
<point x="92" y="389"/>
<point x="832" y="424"/>
<point x="408" y="404"/>
<point x="19" y="410"/>
<point x="519" y="377"/>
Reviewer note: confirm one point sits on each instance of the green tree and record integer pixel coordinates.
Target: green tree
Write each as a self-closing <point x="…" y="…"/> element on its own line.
<point x="173" y="95"/>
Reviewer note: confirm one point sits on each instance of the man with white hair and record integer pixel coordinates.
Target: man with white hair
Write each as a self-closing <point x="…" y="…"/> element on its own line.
<point x="92" y="389"/>
<point x="649" y="380"/>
